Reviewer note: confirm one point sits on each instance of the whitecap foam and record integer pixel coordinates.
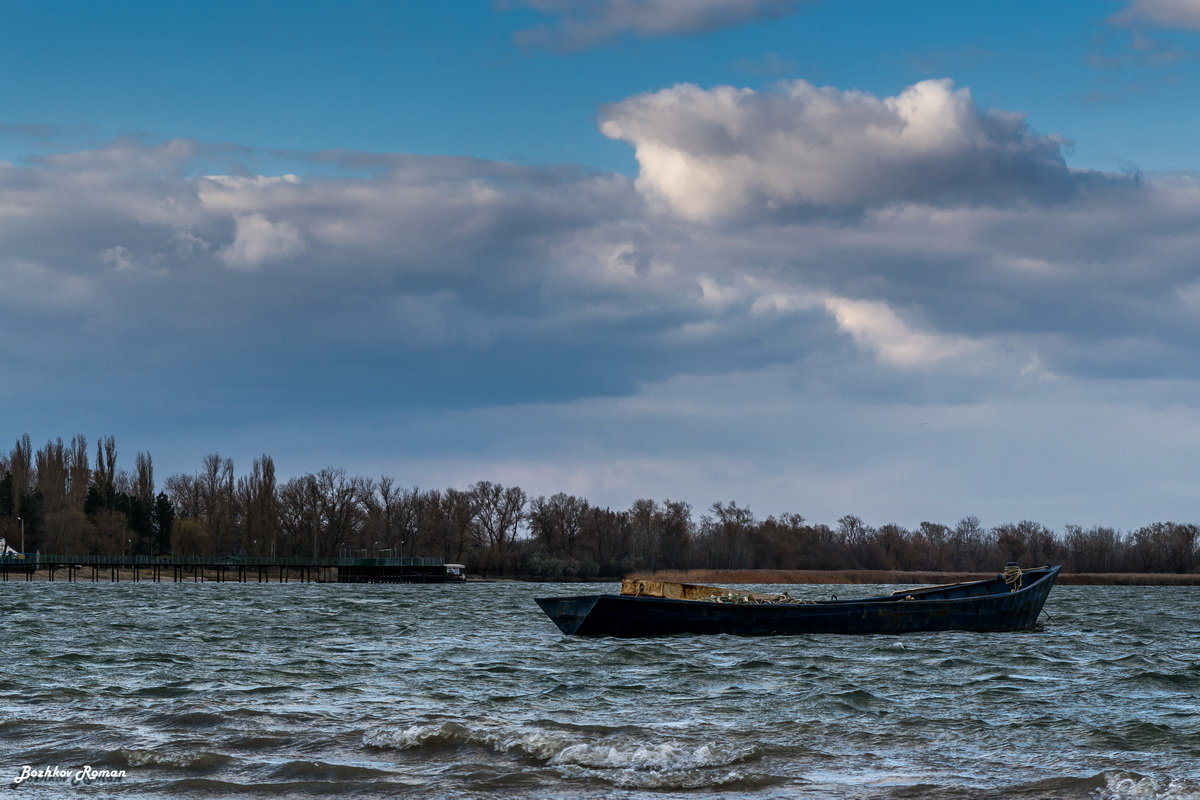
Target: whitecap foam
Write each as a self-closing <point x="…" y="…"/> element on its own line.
<point x="627" y="762"/>
<point x="690" y="779"/>
<point x="655" y="756"/>
<point x="1123" y="786"/>
<point x="413" y="736"/>
<point x="536" y="743"/>
<point x="182" y="759"/>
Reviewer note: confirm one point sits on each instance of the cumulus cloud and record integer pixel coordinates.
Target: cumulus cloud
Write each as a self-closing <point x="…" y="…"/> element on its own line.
<point x="583" y="24"/>
<point x="507" y="260"/>
<point x="1161" y="13"/>
<point x="715" y="152"/>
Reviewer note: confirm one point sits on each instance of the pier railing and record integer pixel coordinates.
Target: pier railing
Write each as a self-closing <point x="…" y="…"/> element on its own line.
<point x="54" y="559"/>
<point x="242" y="569"/>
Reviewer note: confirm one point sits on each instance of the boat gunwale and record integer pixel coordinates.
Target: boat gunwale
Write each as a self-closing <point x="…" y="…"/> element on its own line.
<point x="1048" y="572"/>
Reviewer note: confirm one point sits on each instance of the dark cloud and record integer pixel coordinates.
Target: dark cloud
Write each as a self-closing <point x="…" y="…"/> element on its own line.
<point x="463" y="263"/>
<point x="507" y="305"/>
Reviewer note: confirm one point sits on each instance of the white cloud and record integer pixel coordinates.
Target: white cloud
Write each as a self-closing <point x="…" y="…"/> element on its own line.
<point x="259" y="240"/>
<point x="1163" y="13"/>
<point x="584" y="23"/>
<point x="714" y="152"/>
<point x="878" y="328"/>
<point x="240" y="192"/>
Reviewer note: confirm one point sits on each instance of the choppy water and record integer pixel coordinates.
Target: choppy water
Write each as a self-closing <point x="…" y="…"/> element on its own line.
<point x="467" y="691"/>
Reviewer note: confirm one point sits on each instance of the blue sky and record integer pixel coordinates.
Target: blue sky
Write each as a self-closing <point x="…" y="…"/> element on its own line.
<point x="448" y="78"/>
<point x="908" y="260"/>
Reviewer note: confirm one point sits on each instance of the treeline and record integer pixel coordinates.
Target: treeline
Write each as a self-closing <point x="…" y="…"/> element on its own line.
<point x="71" y="500"/>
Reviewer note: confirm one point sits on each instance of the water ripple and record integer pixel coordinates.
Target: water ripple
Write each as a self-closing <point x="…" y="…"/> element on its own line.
<point x="213" y="691"/>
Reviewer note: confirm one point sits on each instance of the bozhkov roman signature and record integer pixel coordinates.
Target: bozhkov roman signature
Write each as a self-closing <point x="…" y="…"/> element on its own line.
<point x="81" y="776"/>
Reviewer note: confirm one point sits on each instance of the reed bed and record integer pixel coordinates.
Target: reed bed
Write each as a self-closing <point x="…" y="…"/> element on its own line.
<point x="896" y="576"/>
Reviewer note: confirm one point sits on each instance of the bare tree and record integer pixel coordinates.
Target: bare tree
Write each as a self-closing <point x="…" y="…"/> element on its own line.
<point x="499" y="512"/>
<point x="20" y="466"/>
<point x="386" y="514"/>
<point x="80" y="474"/>
<point x="966" y="543"/>
<point x="457" y="523"/>
<point x="144" y="480"/>
<point x="105" y="472"/>
<point x="218" y="502"/>
<point x="556" y="523"/>
<point x="338" y="497"/>
<point x="299" y="516"/>
<point x="52" y="476"/>
<point x="184" y="493"/>
<point x="258" y="498"/>
<point x="1095" y="549"/>
<point x="729" y="532"/>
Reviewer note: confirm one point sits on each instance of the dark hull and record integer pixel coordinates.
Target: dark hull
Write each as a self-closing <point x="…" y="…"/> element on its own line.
<point x="977" y="606"/>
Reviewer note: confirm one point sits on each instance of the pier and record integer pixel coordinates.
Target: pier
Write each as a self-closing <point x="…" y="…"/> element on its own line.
<point x="230" y="569"/>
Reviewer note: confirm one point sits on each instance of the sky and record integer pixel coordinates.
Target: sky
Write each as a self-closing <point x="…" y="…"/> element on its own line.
<point x="905" y="260"/>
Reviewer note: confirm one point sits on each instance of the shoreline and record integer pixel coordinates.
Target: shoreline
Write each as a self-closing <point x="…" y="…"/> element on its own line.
<point x="124" y="575"/>
<point x="861" y="576"/>
<point x="704" y="576"/>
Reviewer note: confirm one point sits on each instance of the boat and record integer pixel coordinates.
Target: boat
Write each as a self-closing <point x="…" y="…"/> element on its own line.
<point x="1011" y="601"/>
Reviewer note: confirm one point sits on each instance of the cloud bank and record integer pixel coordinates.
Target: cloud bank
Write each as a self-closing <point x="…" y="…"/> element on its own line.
<point x="801" y="290"/>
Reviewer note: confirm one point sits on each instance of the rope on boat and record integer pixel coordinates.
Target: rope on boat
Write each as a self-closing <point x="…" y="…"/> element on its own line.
<point x="1014" y="576"/>
<point x="761" y="600"/>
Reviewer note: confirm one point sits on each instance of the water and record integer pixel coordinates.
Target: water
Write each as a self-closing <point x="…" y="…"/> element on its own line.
<point x="468" y="691"/>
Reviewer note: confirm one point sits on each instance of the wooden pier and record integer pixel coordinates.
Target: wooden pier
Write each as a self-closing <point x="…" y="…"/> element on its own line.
<point x="233" y="569"/>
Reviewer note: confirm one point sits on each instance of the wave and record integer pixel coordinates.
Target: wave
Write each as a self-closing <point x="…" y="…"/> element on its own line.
<point x="633" y="761"/>
<point x="650" y="756"/>
<point x="217" y="788"/>
<point x="325" y="772"/>
<point x="257" y="742"/>
<point x="855" y="699"/>
<point x="1108" y="785"/>
<point x="56" y="693"/>
<point x="1169" y="680"/>
<point x="1130" y="786"/>
<point x="1148" y="737"/>
<point x="559" y="747"/>
<point x="166" y="692"/>
<point x="445" y="734"/>
<point x="197" y="760"/>
<point x="189" y="719"/>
